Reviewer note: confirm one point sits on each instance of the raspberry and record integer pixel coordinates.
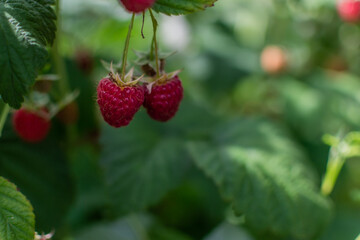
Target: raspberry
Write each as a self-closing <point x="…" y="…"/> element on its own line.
<point x="84" y="61"/>
<point x="118" y="104"/>
<point x="273" y="60"/>
<point x="349" y="10"/>
<point x="163" y="101"/>
<point x="31" y="126"/>
<point x="137" y="6"/>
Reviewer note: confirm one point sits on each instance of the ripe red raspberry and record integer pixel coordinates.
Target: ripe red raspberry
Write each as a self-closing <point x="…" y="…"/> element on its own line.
<point x="163" y="101"/>
<point x="137" y="6"/>
<point x="349" y="10"/>
<point x="31" y="126"/>
<point x="118" y="104"/>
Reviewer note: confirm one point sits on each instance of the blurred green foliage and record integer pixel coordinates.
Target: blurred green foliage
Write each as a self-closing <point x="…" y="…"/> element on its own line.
<point x="243" y="158"/>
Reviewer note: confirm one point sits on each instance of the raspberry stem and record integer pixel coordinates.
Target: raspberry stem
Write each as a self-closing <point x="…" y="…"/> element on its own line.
<point x="142" y="25"/>
<point x="60" y="68"/>
<point x="3" y="115"/>
<point x="58" y="61"/>
<point x="332" y="173"/>
<point x="155" y="43"/>
<point x="126" y="48"/>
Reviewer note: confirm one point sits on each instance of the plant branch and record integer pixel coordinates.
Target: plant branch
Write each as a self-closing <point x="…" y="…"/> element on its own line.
<point x="3" y="115"/>
<point x="126" y="48"/>
<point x="58" y="60"/>
<point x="155" y="43"/>
<point x="332" y="173"/>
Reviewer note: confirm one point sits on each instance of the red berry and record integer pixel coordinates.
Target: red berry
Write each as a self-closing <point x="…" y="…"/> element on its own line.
<point x="349" y="10"/>
<point x="84" y="60"/>
<point x="273" y="60"/>
<point x="163" y="101"/>
<point x="137" y="6"/>
<point x="31" y="126"/>
<point x="118" y="105"/>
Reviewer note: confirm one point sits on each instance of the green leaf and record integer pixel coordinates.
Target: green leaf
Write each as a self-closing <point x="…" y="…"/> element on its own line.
<point x="40" y="172"/>
<point x="322" y="104"/>
<point x="179" y="7"/>
<point x="133" y="227"/>
<point x="160" y="232"/>
<point x="90" y="198"/>
<point x="345" y="225"/>
<point x="146" y="159"/>
<point x="266" y="178"/>
<point x="26" y="26"/>
<point x="17" y="220"/>
<point x="141" y="165"/>
<point x="229" y="232"/>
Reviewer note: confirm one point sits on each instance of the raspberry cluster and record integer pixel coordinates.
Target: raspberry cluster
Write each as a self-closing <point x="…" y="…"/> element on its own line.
<point x="118" y="104"/>
<point x="120" y="95"/>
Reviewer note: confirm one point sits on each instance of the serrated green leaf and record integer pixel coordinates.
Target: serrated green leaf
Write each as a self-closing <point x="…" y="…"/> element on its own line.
<point x="179" y="7"/>
<point x="265" y="177"/>
<point x="141" y="165"/>
<point x="26" y="26"/>
<point x="146" y="159"/>
<point x="17" y="220"/>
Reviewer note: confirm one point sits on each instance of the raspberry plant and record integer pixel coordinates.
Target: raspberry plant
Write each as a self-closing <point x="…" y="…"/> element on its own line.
<point x="229" y="147"/>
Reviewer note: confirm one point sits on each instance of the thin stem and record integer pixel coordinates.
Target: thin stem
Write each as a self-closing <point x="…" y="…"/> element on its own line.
<point x="71" y="131"/>
<point x="3" y="115"/>
<point x="332" y="173"/>
<point x="152" y="50"/>
<point x="142" y="25"/>
<point x="58" y="60"/>
<point x="126" y="48"/>
<point x="155" y="43"/>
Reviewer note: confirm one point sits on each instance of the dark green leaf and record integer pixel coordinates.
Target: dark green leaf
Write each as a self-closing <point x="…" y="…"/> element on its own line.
<point x="26" y="26"/>
<point x="146" y="159"/>
<point x="133" y="227"/>
<point x="17" y="220"/>
<point x="265" y="177"/>
<point x="40" y="172"/>
<point x="160" y="232"/>
<point x="345" y="225"/>
<point x="141" y="165"/>
<point x="227" y="231"/>
<point x="178" y="7"/>
<point x="90" y="192"/>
